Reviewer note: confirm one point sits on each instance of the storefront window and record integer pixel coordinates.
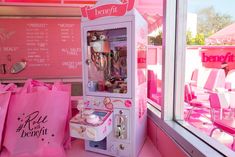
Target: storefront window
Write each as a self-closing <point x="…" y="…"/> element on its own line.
<point x="209" y="88"/>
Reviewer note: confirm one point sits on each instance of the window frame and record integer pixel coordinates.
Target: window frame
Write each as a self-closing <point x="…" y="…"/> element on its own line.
<point x="168" y="48"/>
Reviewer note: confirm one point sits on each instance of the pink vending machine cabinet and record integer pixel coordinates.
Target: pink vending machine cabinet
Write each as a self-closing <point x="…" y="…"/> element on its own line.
<point x="114" y="41"/>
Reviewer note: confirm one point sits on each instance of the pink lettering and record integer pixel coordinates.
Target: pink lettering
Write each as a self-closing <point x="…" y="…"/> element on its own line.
<point x="105" y="12"/>
<point x="229" y="57"/>
<point x="221" y="58"/>
<point x="204" y="57"/>
<point x="211" y="58"/>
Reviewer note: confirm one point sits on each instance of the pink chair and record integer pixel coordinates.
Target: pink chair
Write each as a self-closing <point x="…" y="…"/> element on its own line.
<point x="230" y="80"/>
<point x="193" y="101"/>
<point x="218" y="105"/>
<point x="207" y="80"/>
<point x="194" y="77"/>
<point x="216" y="79"/>
<point x="217" y="102"/>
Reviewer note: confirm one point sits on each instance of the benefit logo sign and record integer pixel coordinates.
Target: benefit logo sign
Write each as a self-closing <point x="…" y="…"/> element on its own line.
<point x="32" y="125"/>
<point x="115" y="9"/>
<point x="228" y="57"/>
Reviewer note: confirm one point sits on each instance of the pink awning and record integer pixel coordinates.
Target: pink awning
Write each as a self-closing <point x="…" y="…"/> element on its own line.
<point x="154" y="21"/>
<point x="152" y="11"/>
<point x="225" y="36"/>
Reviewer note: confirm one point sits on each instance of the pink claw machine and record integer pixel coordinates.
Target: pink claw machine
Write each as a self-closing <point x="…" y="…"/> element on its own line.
<point x="114" y="41"/>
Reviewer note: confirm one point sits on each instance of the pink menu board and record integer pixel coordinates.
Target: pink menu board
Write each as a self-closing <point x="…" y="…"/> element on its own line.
<point x="51" y="47"/>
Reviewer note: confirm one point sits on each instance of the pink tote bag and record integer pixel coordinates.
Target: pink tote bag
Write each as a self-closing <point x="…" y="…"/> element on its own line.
<point x="5" y="94"/>
<point x="36" y="121"/>
<point x="67" y="88"/>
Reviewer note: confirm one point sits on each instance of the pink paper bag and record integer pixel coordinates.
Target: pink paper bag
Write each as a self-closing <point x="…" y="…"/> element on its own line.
<point x="36" y="122"/>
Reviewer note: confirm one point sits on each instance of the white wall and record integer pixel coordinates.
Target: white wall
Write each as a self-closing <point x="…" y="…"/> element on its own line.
<point x="192" y="23"/>
<point x="192" y="62"/>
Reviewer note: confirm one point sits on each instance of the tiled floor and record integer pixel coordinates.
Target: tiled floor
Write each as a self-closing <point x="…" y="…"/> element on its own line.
<point x="77" y="149"/>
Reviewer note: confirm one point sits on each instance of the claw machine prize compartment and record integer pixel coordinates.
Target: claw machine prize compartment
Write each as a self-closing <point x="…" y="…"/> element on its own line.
<point x="92" y="124"/>
<point x="107" y="61"/>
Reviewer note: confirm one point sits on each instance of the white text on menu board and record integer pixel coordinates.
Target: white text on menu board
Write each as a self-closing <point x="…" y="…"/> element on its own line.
<point x="67" y="32"/>
<point x="37" y="45"/>
<point x="67" y="35"/>
<point x="6" y="35"/>
<point x="72" y="64"/>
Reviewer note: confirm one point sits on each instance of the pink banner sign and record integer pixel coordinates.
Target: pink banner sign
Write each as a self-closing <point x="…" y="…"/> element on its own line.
<point x="93" y="13"/>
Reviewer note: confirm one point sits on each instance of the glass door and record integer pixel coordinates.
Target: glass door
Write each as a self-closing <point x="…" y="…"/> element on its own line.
<point x="108" y="62"/>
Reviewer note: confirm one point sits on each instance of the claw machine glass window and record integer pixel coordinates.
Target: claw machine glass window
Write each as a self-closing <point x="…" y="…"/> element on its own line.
<point x="107" y="61"/>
